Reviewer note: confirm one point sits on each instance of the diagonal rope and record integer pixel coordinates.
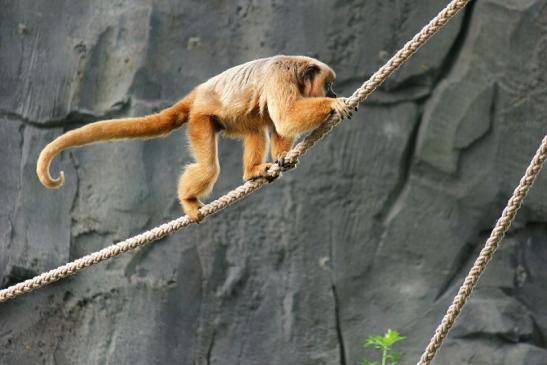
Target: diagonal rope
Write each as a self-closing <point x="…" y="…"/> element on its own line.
<point x="501" y="227"/>
<point x="289" y="161"/>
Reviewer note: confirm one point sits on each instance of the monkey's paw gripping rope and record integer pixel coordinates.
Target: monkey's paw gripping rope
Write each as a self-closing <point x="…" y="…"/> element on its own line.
<point x="288" y="161"/>
<point x="282" y="164"/>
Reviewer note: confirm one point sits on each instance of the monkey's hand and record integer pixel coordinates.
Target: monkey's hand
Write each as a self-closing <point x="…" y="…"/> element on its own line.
<point x="340" y="107"/>
<point x="258" y="171"/>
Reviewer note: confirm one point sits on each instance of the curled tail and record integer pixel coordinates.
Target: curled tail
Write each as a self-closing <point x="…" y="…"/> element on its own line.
<point x="154" y="125"/>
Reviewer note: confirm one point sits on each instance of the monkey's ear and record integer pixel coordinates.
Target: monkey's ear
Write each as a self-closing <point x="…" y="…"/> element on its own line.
<point x="307" y="73"/>
<point x="310" y="72"/>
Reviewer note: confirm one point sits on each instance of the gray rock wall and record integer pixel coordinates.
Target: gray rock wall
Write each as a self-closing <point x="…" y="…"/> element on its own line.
<point x="374" y="230"/>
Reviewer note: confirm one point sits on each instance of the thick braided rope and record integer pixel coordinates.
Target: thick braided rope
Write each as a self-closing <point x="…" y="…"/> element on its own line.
<point x="289" y="161"/>
<point x="501" y="227"/>
<point x="380" y="76"/>
<point x="129" y="244"/>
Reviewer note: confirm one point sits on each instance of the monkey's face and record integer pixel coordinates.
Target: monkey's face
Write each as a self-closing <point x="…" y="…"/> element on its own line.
<point x="318" y="80"/>
<point x="329" y="91"/>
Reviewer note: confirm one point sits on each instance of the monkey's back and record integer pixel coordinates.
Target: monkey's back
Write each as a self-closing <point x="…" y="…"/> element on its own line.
<point x="239" y="95"/>
<point x="236" y="95"/>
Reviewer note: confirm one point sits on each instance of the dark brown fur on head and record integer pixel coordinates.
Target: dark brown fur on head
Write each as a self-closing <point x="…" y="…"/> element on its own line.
<point x="315" y="80"/>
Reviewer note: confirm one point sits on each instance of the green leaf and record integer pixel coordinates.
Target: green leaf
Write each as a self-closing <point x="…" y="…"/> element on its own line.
<point x="375" y="341"/>
<point x="392" y="337"/>
<point x="383" y="344"/>
<point x="393" y="356"/>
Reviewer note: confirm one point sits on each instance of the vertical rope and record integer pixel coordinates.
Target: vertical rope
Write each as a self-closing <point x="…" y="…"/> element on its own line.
<point x="501" y="227"/>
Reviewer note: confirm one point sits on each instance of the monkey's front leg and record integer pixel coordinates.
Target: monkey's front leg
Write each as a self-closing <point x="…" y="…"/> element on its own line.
<point x="306" y="114"/>
<point x="254" y="155"/>
<point x="280" y="145"/>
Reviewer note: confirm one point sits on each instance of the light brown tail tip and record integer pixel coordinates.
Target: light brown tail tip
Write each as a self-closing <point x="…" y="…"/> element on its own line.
<point x="50" y="182"/>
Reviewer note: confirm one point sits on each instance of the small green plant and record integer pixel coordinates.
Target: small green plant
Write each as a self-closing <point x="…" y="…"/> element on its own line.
<point x="384" y="344"/>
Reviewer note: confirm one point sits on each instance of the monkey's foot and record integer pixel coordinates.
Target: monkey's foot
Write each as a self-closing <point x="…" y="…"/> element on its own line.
<point x="191" y="208"/>
<point x="258" y="171"/>
<point x="340" y="107"/>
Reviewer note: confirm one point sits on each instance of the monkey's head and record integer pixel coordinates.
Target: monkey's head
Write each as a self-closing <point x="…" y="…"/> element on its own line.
<point x="316" y="79"/>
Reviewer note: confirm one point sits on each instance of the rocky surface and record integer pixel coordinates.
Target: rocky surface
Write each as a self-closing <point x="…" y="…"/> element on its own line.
<point x="374" y="230"/>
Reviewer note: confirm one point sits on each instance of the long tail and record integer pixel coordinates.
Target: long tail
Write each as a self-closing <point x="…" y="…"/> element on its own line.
<point x="155" y="125"/>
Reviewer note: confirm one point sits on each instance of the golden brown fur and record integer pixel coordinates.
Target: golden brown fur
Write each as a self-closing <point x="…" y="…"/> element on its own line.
<point x="287" y="95"/>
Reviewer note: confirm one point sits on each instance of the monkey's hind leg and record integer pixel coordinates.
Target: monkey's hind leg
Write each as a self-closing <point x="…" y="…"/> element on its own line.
<point x="199" y="178"/>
